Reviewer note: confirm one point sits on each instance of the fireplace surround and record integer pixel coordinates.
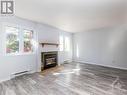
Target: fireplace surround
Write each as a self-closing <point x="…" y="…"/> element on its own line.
<point x="49" y="59"/>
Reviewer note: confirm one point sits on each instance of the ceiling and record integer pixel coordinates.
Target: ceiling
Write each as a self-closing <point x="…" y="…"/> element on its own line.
<point x="73" y="15"/>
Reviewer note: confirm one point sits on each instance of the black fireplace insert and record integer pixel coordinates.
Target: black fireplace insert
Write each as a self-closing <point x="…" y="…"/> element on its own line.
<point x="49" y="59"/>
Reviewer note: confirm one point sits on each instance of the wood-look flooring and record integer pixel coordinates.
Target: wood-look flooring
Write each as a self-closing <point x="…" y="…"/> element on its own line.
<point x="69" y="79"/>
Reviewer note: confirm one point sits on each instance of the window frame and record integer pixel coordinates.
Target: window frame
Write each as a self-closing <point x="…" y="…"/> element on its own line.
<point x="21" y="39"/>
<point x="67" y="44"/>
<point x="6" y="40"/>
<point x="66" y="47"/>
<point x="61" y="42"/>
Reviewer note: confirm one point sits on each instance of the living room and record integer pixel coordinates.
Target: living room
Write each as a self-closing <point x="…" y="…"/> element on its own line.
<point x="75" y="47"/>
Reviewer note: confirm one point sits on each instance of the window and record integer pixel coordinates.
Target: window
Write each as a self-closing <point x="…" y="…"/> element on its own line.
<point x="61" y="43"/>
<point x="64" y="43"/>
<point x="12" y="40"/>
<point x="67" y="44"/>
<point x="19" y="40"/>
<point x="28" y="37"/>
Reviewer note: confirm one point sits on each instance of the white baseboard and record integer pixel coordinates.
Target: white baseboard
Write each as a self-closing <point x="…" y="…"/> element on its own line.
<point x="122" y="68"/>
<point x="5" y="79"/>
<point x="11" y="77"/>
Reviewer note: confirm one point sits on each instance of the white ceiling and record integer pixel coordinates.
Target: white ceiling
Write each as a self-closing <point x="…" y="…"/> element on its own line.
<point x="73" y="15"/>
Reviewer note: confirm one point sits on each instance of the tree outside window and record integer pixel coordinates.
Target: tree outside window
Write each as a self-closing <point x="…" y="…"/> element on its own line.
<point x="12" y="40"/>
<point x="18" y="40"/>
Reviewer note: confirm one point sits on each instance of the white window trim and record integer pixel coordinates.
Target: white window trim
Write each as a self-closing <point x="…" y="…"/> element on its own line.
<point x="66" y="44"/>
<point x="21" y="45"/>
<point x="22" y="41"/>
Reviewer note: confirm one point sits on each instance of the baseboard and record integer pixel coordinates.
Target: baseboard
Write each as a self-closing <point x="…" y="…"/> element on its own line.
<point x="11" y="76"/>
<point x="5" y="79"/>
<point x="31" y="72"/>
<point x="115" y="67"/>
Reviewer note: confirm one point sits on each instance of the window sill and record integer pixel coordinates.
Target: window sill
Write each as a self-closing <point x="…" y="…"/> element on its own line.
<point x="20" y="54"/>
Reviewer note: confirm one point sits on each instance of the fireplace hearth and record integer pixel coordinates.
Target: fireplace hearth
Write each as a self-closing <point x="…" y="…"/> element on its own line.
<point x="49" y="59"/>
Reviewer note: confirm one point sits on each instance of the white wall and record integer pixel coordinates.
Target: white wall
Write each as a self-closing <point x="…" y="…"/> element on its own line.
<point x="107" y="47"/>
<point x="50" y="34"/>
<point x="13" y="64"/>
<point x="17" y="63"/>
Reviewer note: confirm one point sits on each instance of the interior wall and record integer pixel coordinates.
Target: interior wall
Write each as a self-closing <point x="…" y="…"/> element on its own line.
<point x="31" y="62"/>
<point x="50" y="34"/>
<point x="11" y="64"/>
<point x="105" y="46"/>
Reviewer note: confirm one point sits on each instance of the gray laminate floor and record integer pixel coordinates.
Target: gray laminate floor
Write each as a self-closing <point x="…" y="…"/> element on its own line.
<point x="69" y="79"/>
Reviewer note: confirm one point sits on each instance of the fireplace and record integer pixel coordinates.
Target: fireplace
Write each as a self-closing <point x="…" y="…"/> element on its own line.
<point x="49" y="59"/>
